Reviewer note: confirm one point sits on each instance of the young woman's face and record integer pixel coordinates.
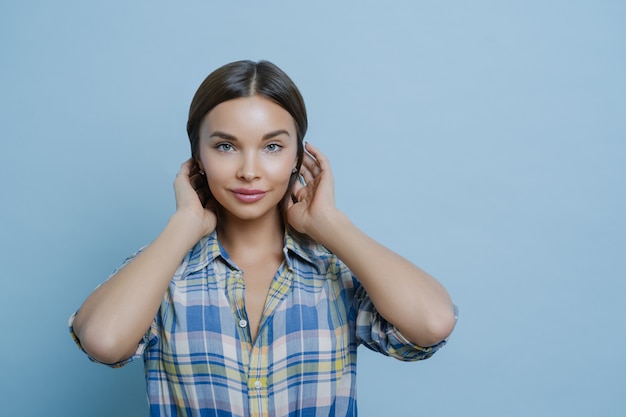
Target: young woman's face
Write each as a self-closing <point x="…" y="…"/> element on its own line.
<point x="248" y="149"/>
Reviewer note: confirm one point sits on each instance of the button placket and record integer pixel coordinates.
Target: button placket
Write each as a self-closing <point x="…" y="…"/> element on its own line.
<point x="238" y="288"/>
<point x="258" y="382"/>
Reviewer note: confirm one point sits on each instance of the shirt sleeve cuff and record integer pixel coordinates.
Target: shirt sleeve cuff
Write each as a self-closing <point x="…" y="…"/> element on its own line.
<point x="139" y="352"/>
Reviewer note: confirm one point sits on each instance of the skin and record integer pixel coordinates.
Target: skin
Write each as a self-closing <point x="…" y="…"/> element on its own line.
<point x="251" y="143"/>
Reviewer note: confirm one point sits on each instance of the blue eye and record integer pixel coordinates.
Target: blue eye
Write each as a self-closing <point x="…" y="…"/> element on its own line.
<point x="224" y="147"/>
<point x="273" y="147"/>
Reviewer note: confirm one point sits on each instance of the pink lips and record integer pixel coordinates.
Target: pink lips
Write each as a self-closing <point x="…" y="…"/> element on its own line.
<point x="248" y="195"/>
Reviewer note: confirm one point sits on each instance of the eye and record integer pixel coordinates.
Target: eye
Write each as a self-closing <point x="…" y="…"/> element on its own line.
<point x="224" y="147"/>
<point x="273" y="147"/>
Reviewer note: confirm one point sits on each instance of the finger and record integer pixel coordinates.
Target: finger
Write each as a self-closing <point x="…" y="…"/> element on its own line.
<point x="185" y="167"/>
<point x="310" y="161"/>
<point x="293" y="191"/>
<point x="321" y="160"/>
<point x="296" y="189"/>
<point x="306" y="175"/>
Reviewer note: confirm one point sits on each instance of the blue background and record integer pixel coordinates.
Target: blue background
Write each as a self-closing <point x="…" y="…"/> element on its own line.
<point x="484" y="140"/>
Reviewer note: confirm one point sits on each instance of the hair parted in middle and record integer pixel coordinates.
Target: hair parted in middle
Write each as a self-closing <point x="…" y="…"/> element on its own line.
<point x="246" y="79"/>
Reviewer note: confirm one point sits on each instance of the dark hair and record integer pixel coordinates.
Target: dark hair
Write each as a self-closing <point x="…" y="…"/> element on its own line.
<point x="245" y="79"/>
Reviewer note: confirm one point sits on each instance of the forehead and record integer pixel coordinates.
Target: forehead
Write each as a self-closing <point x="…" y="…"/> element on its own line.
<point x="248" y="116"/>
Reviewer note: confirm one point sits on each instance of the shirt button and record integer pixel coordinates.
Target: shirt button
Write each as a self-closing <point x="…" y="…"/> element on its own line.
<point x="257" y="384"/>
<point x="243" y="323"/>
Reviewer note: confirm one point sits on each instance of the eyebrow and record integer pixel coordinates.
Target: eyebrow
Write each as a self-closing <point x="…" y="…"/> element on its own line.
<point x="227" y="136"/>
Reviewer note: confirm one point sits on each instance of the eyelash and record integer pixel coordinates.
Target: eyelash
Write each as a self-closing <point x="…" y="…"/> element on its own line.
<point x="227" y="147"/>
<point x="276" y="146"/>
<point x="220" y="147"/>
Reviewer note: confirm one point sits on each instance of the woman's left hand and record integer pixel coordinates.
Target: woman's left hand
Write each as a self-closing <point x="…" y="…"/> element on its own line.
<point x="418" y="306"/>
<point x="315" y="203"/>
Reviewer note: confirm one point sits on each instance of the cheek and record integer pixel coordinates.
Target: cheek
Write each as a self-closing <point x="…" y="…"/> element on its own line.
<point x="214" y="178"/>
<point x="280" y="172"/>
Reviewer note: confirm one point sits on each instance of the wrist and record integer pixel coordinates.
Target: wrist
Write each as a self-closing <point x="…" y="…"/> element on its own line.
<point x="326" y="228"/>
<point x="187" y="227"/>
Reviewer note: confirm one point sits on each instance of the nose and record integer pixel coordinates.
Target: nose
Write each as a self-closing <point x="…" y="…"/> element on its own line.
<point x="248" y="169"/>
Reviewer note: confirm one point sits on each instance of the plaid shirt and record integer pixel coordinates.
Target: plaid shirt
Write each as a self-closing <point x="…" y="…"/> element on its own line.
<point x="201" y="361"/>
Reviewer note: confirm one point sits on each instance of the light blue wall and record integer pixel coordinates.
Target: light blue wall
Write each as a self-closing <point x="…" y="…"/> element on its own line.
<point x="485" y="141"/>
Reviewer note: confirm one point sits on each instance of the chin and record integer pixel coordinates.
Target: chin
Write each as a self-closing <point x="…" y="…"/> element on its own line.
<point x="252" y="213"/>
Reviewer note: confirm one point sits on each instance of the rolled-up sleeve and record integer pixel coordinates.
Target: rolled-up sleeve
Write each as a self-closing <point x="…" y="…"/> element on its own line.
<point x="147" y="339"/>
<point x="141" y="346"/>
<point x="379" y="335"/>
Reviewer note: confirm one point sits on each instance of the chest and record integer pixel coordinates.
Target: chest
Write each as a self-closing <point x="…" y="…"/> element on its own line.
<point x="297" y="316"/>
<point x="257" y="285"/>
<point x="306" y="345"/>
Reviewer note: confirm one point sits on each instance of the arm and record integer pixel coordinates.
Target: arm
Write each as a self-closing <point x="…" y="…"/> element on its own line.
<point x="403" y="294"/>
<point x="117" y="314"/>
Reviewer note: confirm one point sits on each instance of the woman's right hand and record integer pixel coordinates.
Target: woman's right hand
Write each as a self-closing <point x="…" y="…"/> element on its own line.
<point x="118" y="313"/>
<point x="187" y="187"/>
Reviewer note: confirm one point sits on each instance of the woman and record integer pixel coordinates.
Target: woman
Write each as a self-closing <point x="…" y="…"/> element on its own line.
<point x="253" y="299"/>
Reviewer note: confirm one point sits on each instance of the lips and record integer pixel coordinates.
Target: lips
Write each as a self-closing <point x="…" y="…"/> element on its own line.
<point x="248" y="195"/>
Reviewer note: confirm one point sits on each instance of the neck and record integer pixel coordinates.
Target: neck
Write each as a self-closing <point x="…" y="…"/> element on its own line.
<point x="261" y="236"/>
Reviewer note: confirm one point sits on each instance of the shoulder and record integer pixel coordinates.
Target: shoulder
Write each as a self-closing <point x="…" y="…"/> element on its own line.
<point x="204" y="252"/>
<point x="304" y="251"/>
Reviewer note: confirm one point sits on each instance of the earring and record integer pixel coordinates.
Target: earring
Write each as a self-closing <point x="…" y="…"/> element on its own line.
<point x="201" y="172"/>
<point x="293" y="171"/>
